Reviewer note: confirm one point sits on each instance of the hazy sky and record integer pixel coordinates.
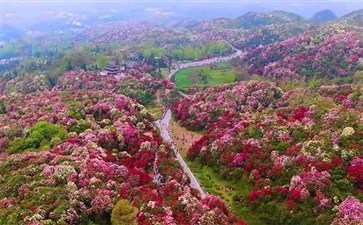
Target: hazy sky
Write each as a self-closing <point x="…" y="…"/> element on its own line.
<point x="24" y="13"/>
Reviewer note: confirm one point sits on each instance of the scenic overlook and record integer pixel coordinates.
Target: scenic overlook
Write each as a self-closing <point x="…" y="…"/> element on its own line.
<point x="181" y="112"/>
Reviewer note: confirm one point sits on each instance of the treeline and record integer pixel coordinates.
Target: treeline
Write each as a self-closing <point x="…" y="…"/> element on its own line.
<point x="56" y="61"/>
<point x="55" y="55"/>
<point x="212" y="49"/>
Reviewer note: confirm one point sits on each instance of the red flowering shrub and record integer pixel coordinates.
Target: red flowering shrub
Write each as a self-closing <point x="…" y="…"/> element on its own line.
<point x="296" y="156"/>
<point x="82" y="178"/>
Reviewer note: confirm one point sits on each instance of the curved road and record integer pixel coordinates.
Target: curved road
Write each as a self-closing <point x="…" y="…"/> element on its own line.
<point x="163" y="126"/>
<point x="238" y="53"/>
<point x="163" y="123"/>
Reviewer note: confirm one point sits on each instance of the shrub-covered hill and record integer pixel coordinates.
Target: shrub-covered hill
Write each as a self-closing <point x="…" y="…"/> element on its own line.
<point x="257" y="19"/>
<point x="299" y="153"/>
<point x="207" y="107"/>
<point x="25" y="85"/>
<point x="134" y="84"/>
<point x="78" y="153"/>
<point x="252" y="29"/>
<point x="269" y="34"/>
<point x="354" y="18"/>
<point x="327" y="52"/>
<point x="140" y="86"/>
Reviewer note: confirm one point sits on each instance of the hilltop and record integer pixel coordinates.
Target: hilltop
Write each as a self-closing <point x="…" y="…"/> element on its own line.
<point x="324" y="16"/>
<point x="355" y="18"/>
<point x="258" y="19"/>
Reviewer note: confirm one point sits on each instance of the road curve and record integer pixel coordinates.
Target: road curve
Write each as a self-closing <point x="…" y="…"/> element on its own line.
<point x="238" y="53"/>
<point x="163" y="123"/>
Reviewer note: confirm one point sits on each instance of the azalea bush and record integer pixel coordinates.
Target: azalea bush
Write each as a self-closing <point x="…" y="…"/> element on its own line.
<point x="123" y="213"/>
<point x="27" y="84"/>
<point x="327" y="52"/>
<point x="301" y="157"/>
<point x="140" y="86"/>
<point x="88" y="176"/>
<point x="228" y="100"/>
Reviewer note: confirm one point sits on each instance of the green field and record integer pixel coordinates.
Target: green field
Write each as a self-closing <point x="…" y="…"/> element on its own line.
<point x="221" y="73"/>
<point x="213" y="183"/>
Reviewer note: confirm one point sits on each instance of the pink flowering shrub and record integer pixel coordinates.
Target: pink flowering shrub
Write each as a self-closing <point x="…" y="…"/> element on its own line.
<point x="27" y="84"/>
<point x="331" y="51"/>
<point x="109" y="156"/>
<point x="351" y="208"/>
<point x="226" y="101"/>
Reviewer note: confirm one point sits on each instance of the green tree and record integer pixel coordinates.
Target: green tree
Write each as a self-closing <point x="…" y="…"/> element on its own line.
<point x="193" y="53"/>
<point x="177" y="53"/>
<point x="43" y="135"/>
<point x="78" y="60"/>
<point x="102" y="61"/>
<point x="121" y="58"/>
<point x="123" y="213"/>
<point x="216" y="48"/>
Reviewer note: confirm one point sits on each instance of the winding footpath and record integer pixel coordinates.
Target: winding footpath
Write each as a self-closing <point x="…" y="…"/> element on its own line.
<point x="163" y="123"/>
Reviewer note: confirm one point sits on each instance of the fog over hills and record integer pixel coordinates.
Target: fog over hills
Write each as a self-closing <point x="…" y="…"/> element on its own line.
<point x="47" y="16"/>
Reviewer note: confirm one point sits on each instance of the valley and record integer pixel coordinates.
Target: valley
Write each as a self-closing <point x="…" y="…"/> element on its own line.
<point x="255" y="119"/>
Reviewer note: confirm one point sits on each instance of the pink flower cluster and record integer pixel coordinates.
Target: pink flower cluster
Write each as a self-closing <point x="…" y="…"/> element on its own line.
<point x="351" y="208"/>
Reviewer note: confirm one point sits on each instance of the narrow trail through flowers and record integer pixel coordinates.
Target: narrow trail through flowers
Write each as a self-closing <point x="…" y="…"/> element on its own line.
<point x="163" y="122"/>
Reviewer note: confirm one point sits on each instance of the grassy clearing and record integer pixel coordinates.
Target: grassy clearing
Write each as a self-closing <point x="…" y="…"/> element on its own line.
<point x="213" y="183"/>
<point x="209" y="75"/>
<point x="156" y="109"/>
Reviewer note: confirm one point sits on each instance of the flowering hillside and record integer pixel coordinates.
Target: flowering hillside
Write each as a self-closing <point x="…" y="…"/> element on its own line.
<point x="223" y="101"/>
<point x="252" y="29"/>
<point x="258" y="19"/>
<point x="263" y="125"/>
<point x="268" y="34"/>
<point x="137" y="85"/>
<point x="353" y="18"/>
<point x="330" y="51"/>
<point x="27" y="84"/>
<point x="299" y="151"/>
<point x="104" y="148"/>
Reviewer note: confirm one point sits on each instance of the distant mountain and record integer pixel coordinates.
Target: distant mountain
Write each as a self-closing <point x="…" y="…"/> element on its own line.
<point x="324" y="16"/>
<point x="258" y="19"/>
<point x="355" y="18"/>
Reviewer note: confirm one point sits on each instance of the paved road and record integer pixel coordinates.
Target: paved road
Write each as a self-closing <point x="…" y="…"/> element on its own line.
<point x="163" y="126"/>
<point x="163" y="123"/>
<point x="204" y="62"/>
